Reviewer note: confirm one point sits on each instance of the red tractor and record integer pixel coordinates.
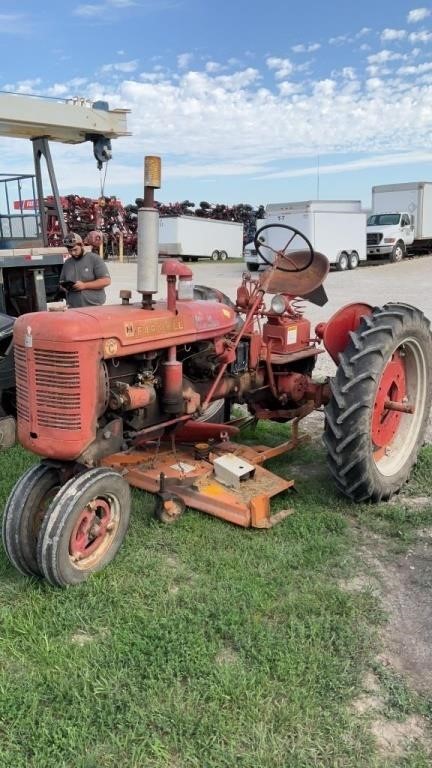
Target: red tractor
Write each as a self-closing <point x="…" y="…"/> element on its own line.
<point x="140" y="394"/>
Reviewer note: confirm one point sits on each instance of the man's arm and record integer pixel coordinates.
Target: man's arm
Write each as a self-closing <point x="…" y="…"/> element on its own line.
<point x="92" y="285"/>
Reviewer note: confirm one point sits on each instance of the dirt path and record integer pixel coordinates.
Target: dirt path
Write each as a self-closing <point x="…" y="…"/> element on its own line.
<point x="403" y="584"/>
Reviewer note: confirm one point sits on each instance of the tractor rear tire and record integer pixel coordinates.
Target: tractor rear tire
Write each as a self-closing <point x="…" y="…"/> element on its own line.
<point x="371" y="448"/>
<point x="85" y="526"/>
<point x="24" y="513"/>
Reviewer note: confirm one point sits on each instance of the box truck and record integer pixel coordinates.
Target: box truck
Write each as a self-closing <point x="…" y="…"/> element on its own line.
<point x="401" y="220"/>
<point x="192" y="238"/>
<point x="336" y="228"/>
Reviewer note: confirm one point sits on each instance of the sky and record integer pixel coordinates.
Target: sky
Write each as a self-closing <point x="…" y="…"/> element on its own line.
<point x="245" y="101"/>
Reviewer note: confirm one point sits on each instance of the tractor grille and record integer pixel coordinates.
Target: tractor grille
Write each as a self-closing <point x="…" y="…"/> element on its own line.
<point x="57" y="388"/>
<point x="23" y="407"/>
<point x="374" y="238"/>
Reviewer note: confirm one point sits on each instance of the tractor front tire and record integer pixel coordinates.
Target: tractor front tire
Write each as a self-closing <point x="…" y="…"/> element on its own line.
<point x="84" y="527"/>
<point x="24" y="513"/>
<point x="372" y="443"/>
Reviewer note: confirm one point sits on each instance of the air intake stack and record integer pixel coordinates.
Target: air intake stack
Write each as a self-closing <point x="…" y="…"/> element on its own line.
<point x="148" y="233"/>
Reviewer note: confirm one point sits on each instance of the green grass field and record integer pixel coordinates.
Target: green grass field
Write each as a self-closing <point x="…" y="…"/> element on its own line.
<point x="204" y="645"/>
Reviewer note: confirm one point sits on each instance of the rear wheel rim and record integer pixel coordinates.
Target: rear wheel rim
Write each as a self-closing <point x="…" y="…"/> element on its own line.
<point x="343" y="261"/>
<point x="394" y="434"/>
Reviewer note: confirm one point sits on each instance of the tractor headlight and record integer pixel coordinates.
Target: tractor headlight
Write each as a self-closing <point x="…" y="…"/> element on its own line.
<point x="278" y="304"/>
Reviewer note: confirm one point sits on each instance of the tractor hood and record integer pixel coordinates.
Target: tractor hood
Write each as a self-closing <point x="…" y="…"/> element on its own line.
<point x="126" y="328"/>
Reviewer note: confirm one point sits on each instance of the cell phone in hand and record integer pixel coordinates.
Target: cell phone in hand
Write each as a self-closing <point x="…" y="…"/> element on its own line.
<point x="67" y="284"/>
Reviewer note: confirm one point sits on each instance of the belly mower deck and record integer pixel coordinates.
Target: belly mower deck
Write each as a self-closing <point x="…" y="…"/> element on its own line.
<point x="226" y="480"/>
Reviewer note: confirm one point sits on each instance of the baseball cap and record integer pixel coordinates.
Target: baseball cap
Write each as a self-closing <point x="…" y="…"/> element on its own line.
<point x="72" y="239"/>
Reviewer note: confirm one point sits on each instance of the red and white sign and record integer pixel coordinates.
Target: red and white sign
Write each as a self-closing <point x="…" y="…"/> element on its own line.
<point x="25" y="205"/>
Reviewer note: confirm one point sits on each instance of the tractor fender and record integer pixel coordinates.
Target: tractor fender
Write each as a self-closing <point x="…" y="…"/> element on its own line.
<point x="335" y="332"/>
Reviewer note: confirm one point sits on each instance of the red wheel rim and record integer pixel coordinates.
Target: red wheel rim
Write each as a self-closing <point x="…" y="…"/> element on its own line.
<point x="91" y="528"/>
<point x="392" y="386"/>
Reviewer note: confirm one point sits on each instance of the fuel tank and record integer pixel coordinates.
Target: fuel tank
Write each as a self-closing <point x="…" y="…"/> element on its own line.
<point x="57" y="361"/>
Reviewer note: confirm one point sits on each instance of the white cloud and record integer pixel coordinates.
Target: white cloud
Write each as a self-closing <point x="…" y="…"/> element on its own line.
<point x="418" y="14"/>
<point x="184" y="59"/>
<point x="23" y="86"/>
<point x="420" y="37"/>
<point x="282" y="67"/>
<point x="415" y="70"/>
<point x="393" y="34"/>
<point x="93" y="10"/>
<point x="364" y="31"/>
<point x="344" y="39"/>
<point x="13" y="24"/>
<point x="309" y="48"/>
<point x="213" y="66"/>
<point x="152" y="77"/>
<point x="339" y="40"/>
<point x="348" y="73"/>
<point x="288" y="89"/>
<point x="379" y="161"/>
<point x="383" y="56"/>
<point x="120" y="66"/>
<point x="89" y="11"/>
<point x="374" y="83"/>
<point x="241" y="128"/>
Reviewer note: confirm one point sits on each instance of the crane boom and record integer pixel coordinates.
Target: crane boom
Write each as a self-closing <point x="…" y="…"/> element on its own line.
<point x="70" y="122"/>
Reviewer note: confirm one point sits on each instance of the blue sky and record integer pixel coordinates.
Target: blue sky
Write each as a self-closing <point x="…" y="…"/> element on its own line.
<point x="239" y="98"/>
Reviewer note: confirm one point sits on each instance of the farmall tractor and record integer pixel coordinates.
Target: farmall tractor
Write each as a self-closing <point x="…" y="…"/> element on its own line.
<point x="140" y="395"/>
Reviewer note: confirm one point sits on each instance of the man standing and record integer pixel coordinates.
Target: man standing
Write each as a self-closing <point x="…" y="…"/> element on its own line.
<point x="84" y="276"/>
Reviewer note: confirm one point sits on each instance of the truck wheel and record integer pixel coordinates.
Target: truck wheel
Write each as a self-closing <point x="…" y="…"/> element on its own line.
<point x="223" y="255"/>
<point x="371" y="445"/>
<point x="194" y="258"/>
<point x="354" y="260"/>
<point x="25" y="510"/>
<point x="398" y="252"/>
<point x="85" y="527"/>
<point x="215" y="256"/>
<point x="252" y="267"/>
<point x="342" y="262"/>
<point x="185" y="258"/>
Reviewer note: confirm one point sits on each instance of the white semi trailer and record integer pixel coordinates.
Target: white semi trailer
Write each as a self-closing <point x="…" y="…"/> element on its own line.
<point x="336" y="228"/>
<point x="192" y="238"/>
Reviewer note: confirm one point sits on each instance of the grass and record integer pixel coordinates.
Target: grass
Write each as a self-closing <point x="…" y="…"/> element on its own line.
<point x="202" y="645"/>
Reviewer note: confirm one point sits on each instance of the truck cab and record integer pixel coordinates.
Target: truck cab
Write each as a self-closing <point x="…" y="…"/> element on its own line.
<point x="389" y="234"/>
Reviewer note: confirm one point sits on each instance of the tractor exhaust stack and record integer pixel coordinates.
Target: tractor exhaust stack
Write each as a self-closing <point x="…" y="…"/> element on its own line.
<point x="148" y="233"/>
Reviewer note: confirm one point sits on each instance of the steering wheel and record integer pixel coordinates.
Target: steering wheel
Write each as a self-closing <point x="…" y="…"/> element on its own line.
<point x="258" y="243"/>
